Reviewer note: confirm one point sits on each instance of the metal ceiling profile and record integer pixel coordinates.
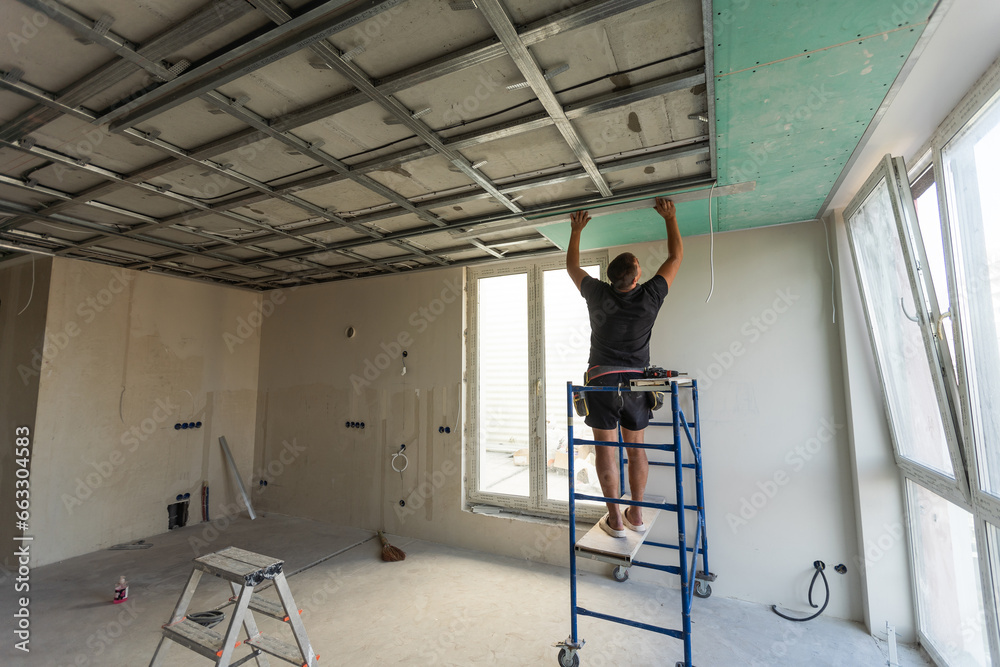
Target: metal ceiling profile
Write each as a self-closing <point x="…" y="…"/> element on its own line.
<point x="330" y="191"/>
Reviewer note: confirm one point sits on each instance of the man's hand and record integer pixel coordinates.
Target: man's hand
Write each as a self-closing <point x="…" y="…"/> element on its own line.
<point x="666" y="208"/>
<point x="577" y="222"/>
<point x="675" y="245"/>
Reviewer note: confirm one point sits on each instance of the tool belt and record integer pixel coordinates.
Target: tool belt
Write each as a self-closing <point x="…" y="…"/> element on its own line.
<point x="655" y="398"/>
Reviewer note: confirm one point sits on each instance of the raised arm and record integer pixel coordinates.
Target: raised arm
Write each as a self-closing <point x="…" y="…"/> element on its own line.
<point x="675" y="245"/>
<point x="577" y="221"/>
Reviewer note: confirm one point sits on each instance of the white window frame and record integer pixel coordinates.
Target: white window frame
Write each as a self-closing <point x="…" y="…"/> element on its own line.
<point x="536" y="502"/>
<point x="954" y="397"/>
<point x="936" y="350"/>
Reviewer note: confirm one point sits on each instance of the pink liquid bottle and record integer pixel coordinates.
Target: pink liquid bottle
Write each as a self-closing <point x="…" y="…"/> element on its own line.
<point x="121" y="591"/>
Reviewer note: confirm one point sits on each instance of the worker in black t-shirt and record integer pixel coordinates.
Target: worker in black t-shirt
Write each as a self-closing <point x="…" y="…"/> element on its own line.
<point x="621" y="322"/>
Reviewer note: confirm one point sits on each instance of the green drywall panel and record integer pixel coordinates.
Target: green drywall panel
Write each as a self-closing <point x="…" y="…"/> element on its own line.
<point x="791" y="123"/>
<point x="753" y="32"/>
<point x="792" y="126"/>
<point x="605" y="231"/>
<point x="797" y="82"/>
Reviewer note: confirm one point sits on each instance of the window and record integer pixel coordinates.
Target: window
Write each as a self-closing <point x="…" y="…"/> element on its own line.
<point x="949" y="591"/>
<point x="528" y="334"/>
<point x="928" y="263"/>
<point x="898" y="306"/>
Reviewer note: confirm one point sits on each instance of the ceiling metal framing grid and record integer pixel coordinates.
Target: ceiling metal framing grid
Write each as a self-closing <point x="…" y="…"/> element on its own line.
<point x="180" y="82"/>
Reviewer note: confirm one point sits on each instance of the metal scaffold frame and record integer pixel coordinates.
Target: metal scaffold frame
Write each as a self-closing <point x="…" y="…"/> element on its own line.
<point x="697" y="585"/>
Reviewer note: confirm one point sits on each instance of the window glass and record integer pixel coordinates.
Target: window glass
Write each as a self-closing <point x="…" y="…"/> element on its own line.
<point x="567" y="347"/>
<point x="946" y="572"/>
<point x="972" y="171"/>
<point x="929" y="218"/>
<point x="503" y="384"/>
<point x="906" y="377"/>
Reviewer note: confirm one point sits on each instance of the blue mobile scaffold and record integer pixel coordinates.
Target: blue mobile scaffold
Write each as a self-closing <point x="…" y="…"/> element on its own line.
<point x="621" y="552"/>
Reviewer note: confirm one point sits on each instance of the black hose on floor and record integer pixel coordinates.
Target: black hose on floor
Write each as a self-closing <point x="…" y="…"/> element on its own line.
<point x="207" y="618"/>
<point x="820" y="566"/>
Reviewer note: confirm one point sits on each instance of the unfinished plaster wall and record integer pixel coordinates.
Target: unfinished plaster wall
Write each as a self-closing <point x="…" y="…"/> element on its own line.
<point x="781" y="392"/>
<point x="24" y="292"/>
<point x="766" y="353"/>
<point x="142" y="352"/>
<point x="879" y="503"/>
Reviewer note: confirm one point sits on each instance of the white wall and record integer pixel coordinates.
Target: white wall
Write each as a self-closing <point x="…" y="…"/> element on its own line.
<point x="131" y="354"/>
<point x="24" y="292"/>
<point x="883" y="560"/>
<point x="766" y="353"/>
<point x="781" y="392"/>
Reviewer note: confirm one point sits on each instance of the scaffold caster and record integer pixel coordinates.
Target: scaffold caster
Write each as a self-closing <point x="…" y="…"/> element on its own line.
<point x="620" y="573"/>
<point x="568" y="658"/>
<point x="702" y="589"/>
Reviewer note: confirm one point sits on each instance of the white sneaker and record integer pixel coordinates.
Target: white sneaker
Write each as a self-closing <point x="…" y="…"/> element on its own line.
<point x="606" y="527"/>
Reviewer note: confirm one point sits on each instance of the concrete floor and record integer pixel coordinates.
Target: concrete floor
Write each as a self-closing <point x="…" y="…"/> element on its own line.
<point x="441" y="606"/>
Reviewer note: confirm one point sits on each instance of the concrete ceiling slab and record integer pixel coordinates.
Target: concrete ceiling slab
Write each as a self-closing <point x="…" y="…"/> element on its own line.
<point x="469" y="209"/>
<point x="273" y="211"/>
<point x="361" y="128"/>
<point x="333" y="235"/>
<point x="47" y="52"/>
<point x="79" y="139"/>
<point x="12" y="105"/>
<point x="96" y="214"/>
<point x="612" y="53"/>
<point x="57" y="229"/>
<point x="138" y="21"/>
<point x="522" y="12"/>
<point x="191" y="124"/>
<point x="467" y="95"/>
<point x="345" y="196"/>
<point x="420" y="177"/>
<point x="22" y="196"/>
<point x="66" y="179"/>
<point x="268" y="160"/>
<point x="196" y="182"/>
<point x="287" y="84"/>
<point x="576" y="189"/>
<point x="522" y="153"/>
<point x="151" y="204"/>
<point x="177" y="236"/>
<point x="640" y="125"/>
<point x="398" y="223"/>
<point x="281" y="245"/>
<point x="391" y="40"/>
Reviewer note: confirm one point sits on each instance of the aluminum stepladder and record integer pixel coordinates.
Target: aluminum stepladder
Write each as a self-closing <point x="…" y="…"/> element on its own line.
<point x="244" y="571"/>
<point x="621" y="552"/>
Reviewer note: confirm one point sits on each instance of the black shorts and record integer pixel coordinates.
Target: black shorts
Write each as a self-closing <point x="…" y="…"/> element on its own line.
<point x="609" y="408"/>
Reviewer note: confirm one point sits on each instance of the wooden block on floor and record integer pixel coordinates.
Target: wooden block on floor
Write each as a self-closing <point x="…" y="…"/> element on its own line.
<point x="620" y="550"/>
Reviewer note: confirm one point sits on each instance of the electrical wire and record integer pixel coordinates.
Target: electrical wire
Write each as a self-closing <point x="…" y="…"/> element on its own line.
<point x="400" y="454"/>
<point x="32" y="293"/>
<point x="833" y="286"/>
<point x="711" y="242"/>
<point x="820" y="566"/>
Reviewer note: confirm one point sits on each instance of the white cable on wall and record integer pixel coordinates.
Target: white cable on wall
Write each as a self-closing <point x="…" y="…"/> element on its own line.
<point x="32" y="293"/>
<point x="405" y="462"/>
<point x="833" y="284"/>
<point x="711" y="246"/>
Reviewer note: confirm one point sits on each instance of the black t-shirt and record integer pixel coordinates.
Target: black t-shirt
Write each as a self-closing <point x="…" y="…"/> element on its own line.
<point x="621" y="322"/>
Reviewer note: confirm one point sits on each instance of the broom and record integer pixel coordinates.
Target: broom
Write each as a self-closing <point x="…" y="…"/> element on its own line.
<point x="390" y="554"/>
